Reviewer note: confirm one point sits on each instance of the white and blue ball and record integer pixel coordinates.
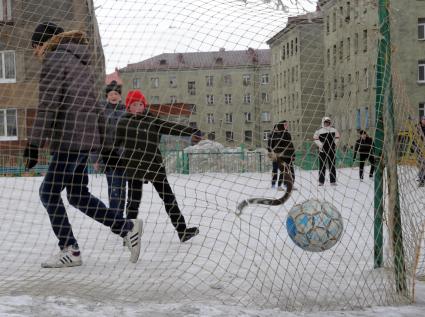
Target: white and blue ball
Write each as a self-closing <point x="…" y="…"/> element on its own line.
<point x="314" y="225"/>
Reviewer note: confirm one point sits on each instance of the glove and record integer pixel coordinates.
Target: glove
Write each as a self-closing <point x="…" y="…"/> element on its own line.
<point x="30" y="156"/>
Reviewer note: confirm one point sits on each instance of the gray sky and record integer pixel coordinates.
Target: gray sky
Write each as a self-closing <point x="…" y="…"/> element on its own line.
<point x="134" y="30"/>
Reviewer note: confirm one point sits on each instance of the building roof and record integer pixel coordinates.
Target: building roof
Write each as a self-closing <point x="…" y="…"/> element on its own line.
<point x="113" y="76"/>
<point x="221" y="58"/>
<point x="308" y="18"/>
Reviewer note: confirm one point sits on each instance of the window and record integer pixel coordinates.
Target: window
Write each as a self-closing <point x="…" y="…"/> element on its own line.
<point x="342" y="86"/>
<point x="264" y="79"/>
<point x="366" y="78"/>
<point x="282" y="56"/>
<point x="421" y="109"/>
<point x="246" y="80"/>
<point x="209" y="81"/>
<point x="247" y="98"/>
<point x="364" y="40"/>
<point x="8" y="124"/>
<point x="341" y="16"/>
<point x="358" y="120"/>
<point x="366" y="118"/>
<point x="341" y="51"/>
<point x="356" y="43"/>
<point x="328" y="57"/>
<point x="296" y="45"/>
<point x="348" y="14"/>
<point x="229" y="136"/>
<point x="210" y="118"/>
<point x="154" y="82"/>
<point x="356" y="9"/>
<point x="357" y="81"/>
<point x="228" y="80"/>
<point x="227" y="99"/>
<point x="266" y="134"/>
<point x="335" y="88"/>
<point x="191" y="88"/>
<point x="173" y="99"/>
<point x="421" y="29"/>
<point x="287" y="49"/>
<point x="228" y="117"/>
<point x="5" y="10"/>
<point x="248" y="136"/>
<point x="210" y="99"/>
<point x="136" y="83"/>
<point x="329" y="91"/>
<point x="292" y="47"/>
<point x="154" y="100"/>
<point x="163" y="62"/>
<point x="421" y="71"/>
<point x="333" y="21"/>
<point x="265" y="116"/>
<point x="327" y="25"/>
<point x="173" y="82"/>
<point x="334" y="55"/>
<point x="247" y="116"/>
<point x="348" y="48"/>
<point x="193" y="125"/>
<point x="211" y="136"/>
<point x="264" y="97"/>
<point x="7" y="67"/>
<point x="193" y="109"/>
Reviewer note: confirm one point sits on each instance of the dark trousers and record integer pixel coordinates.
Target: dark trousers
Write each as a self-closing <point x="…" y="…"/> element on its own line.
<point x="116" y="189"/>
<point x="363" y="159"/>
<point x="327" y="159"/>
<point x="135" y="189"/>
<point x="69" y="171"/>
<point x="276" y="167"/>
<point x="162" y="186"/>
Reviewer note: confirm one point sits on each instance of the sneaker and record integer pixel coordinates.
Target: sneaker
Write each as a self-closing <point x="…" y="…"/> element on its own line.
<point x="321" y="184"/>
<point x="67" y="257"/>
<point x="273" y="186"/>
<point x="188" y="234"/>
<point x="370" y="176"/>
<point x="333" y="184"/>
<point x="281" y="189"/>
<point x="132" y="239"/>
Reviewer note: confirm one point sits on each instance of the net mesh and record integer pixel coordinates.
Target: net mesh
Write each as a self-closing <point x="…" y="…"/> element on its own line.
<point x="232" y="69"/>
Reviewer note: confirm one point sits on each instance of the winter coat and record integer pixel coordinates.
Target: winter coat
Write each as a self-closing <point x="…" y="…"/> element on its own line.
<point x="67" y="112"/>
<point x="139" y="136"/>
<point x="326" y="138"/>
<point x="110" y="115"/>
<point x="280" y="142"/>
<point x="363" y="147"/>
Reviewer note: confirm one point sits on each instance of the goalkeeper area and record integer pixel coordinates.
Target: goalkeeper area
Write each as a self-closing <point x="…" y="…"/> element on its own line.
<point x="204" y="123"/>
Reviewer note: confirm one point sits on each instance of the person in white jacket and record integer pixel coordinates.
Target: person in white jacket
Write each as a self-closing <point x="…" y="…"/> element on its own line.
<point x="327" y="138"/>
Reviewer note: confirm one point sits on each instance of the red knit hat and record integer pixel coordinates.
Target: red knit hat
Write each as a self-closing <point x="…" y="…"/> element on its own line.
<point x="133" y="96"/>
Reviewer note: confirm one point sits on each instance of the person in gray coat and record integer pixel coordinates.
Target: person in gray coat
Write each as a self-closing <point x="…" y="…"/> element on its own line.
<point x="67" y="117"/>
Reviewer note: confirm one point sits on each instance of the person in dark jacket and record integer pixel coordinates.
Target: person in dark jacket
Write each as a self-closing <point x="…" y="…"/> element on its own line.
<point x="364" y="147"/>
<point x="67" y="116"/>
<point x="280" y="144"/>
<point x="421" y="154"/>
<point x="112" y="110"/>
<point x="327" y="139"/>
<point x="138" y="134"/>
<point x="273" y="158"/>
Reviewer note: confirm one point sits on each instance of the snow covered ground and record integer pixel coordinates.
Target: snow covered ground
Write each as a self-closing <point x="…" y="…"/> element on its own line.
<point x="237" y="266"/>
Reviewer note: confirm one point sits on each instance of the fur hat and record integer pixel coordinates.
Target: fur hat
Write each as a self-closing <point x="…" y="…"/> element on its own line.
<point x="43" y="32"/>
<point x="133" y="96"/>
<point x="113" y="86"/>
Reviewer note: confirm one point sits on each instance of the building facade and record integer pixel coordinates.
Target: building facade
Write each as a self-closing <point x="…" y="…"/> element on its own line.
<point x="351" y="34"/>
<point x="229" y="90"/>
<point x="19" y="69"/>
<point x="297" y="75"/>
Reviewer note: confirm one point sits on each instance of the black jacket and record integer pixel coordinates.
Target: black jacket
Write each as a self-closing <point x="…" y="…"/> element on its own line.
<point x="363" y="147"/>
<point x="280" y="142"/>
<point x="139" y="137"/>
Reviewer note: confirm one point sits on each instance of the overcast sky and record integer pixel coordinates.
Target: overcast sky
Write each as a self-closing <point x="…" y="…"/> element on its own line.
<point x="134" y="30"/>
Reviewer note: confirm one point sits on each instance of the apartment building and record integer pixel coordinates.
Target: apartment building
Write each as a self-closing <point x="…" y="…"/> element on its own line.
<point x="297" y="75"/>
<point x="19" y="70"/>
<point x="229" y="90"/>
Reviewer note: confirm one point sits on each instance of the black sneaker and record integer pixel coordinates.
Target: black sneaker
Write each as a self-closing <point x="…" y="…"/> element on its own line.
<point x="188" y="234"/>
<point x="421" y="184"/>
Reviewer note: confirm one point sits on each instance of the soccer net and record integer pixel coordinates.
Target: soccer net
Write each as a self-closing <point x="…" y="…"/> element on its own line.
<point x="233" y="70"/>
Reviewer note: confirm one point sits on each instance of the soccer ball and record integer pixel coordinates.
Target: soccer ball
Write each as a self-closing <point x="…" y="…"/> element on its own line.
<point x="314" y="225"/>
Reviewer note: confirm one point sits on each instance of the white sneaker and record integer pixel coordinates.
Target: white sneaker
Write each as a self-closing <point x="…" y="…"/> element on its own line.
<point x="132" y="239"/>
<point x="281" y="189"/>
<point x="67" y="257"/>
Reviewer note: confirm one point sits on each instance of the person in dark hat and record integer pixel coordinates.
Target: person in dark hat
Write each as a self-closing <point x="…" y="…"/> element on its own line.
<point x="67" y="116"/>
<point x="364" y="147"/>
<point x="282" y="152"/>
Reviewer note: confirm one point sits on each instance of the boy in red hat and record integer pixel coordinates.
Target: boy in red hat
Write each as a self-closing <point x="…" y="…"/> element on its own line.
<point x="138" y="135"/>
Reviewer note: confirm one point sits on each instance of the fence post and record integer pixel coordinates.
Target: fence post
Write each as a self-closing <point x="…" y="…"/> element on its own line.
<point x="185" y="163"/>
<point x="243" y="157"/>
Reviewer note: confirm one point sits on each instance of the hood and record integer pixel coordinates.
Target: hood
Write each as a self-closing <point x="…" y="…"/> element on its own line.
<point x="74" y="42"/>
<point x="325" y="119"/>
